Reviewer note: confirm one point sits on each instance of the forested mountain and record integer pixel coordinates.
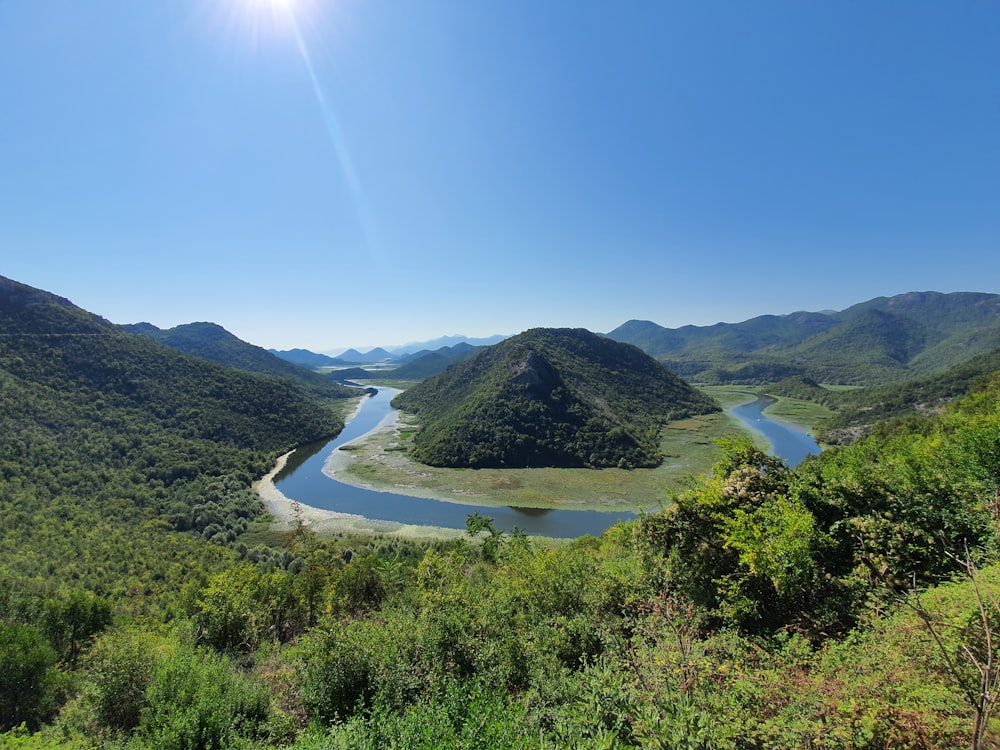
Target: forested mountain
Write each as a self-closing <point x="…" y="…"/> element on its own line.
<point x="213" y="342"/>
<point x="549" y="397"/>
<point x="431" y="363"/>
<point x="354" y="357"/>
<point x="96" y="420"/>
<point x="858" y="410"/>
<point x="441" y="342"/>
<point x="305" y="358"/>
<point x="887" y="339"/>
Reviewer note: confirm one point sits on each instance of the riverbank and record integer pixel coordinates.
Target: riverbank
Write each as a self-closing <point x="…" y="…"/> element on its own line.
<point x="287" y="514"/>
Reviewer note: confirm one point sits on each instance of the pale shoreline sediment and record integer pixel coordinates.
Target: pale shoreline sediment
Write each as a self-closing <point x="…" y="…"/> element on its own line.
<point x="288" y="513"/>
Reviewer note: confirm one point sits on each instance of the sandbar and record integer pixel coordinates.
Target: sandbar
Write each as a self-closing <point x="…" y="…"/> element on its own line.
<point x="288" y="514"/>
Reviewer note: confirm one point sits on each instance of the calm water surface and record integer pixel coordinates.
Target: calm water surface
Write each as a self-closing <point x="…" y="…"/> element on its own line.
<point x="786" y="442"/>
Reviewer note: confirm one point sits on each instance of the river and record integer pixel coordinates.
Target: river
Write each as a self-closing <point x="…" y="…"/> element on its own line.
<point x="303" y="480"/>
<point x="786" y="442"/>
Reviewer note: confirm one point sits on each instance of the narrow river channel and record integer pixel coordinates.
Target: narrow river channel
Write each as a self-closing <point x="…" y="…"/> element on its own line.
<point x="303" y="480"/>
<point x="786" y="442"/>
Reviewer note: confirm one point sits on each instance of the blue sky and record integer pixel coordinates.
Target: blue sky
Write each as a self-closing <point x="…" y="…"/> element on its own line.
<point x="333" y="173"/>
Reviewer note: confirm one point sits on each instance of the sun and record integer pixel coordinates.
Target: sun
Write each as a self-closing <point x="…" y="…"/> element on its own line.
<point x="273" y="6"/>
<point x="276" y="4"/>
<point x="254" y="25"/>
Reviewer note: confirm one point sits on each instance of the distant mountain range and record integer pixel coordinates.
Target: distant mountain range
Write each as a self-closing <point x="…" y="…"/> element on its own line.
<point x="415" y="348"/>
<point x="398" y="355"/>
<point x="883" y="340"/>
<point x="549" y="397"/>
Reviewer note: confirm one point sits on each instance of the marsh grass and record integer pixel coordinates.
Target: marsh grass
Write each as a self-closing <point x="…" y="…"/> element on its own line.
<point x="380" y="461"/>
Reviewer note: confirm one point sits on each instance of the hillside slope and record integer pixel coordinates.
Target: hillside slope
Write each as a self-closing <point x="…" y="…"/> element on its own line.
<point x="549" y="397"/>
<point x="432" y="363"/>
<point x="883" y="340"/>
<point x="102" y="427"/>
<point x="213" y="342"/>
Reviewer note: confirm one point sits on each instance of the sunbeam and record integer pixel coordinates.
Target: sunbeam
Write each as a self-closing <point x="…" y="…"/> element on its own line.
<point x="336" y="137"/>
<point x="267" y="26"/>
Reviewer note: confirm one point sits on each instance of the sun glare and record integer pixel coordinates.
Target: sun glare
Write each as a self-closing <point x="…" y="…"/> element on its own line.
<point x="274" y="4"/>
<point x="255" y="23"/>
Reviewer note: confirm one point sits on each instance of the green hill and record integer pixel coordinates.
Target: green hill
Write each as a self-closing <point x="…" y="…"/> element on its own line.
<point x="549" y="397"/>
<point x="433" y="363"/>
<point x="305" y="358"/>
<point x="874" y="346"/>
<point x="213" y="342"/>
<point x="110" y="436"/>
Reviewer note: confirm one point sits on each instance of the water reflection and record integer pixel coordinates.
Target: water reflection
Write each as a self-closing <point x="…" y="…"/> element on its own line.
<point x="535" y="512"/>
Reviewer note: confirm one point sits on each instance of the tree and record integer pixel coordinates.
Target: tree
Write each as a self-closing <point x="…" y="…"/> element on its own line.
<point x="74" y="618"/>
<point x="26" y="662"/>
<point x="477" y="525"/>
<point x="121" y="666"/>
<point x="742" y="545"/>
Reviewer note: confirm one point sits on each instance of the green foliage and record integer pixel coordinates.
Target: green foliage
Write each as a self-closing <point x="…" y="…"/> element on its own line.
<point x="112" y="439"/>
<point x="896" y="503"/>
<point x="339" y="669"/>
<point x="460" y="714"/>
<point x="742" y="545"/>
<point x="244" y="606"/>
<point x="121" y="666"/>
<point x="73" y="618"/>
<point x="549" y="397"/>
<point x="26" y="662"/>
<point x="216" y="344"/>
<point x="858" y="410"/>
<point x="196" y="701"/>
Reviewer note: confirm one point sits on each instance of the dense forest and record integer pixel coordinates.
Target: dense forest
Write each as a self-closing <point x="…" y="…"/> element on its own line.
<point x="849" y="603"/>
<point x="214" y="343"/>
<point x="881" y="341"/>
<point x="549" y="397"/>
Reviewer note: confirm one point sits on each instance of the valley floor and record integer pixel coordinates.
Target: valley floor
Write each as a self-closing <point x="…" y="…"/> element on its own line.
<point x="379" y="461"/>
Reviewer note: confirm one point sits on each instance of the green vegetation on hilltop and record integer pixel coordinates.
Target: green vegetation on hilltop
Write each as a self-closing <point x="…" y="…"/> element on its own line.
<point x="549" y="397"/>
<point x="433" y="363"/>
<point x="112" y="442"/>
<point x="855" y="411"/>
